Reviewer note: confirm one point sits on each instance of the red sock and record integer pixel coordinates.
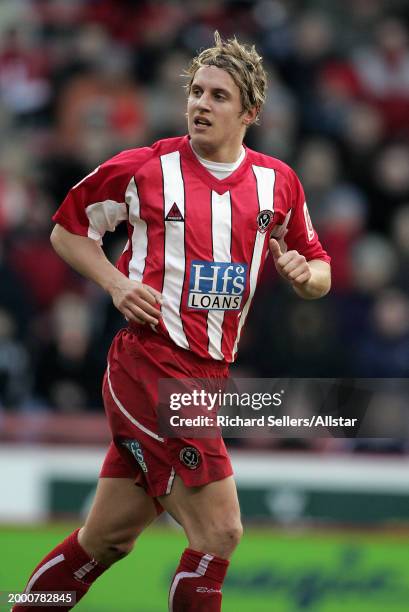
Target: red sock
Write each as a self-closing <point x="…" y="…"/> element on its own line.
<point x="196" y="586"/>
<point x="66" y="568"/>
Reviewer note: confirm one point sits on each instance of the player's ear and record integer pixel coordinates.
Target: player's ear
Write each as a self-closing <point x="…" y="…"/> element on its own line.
<point x="249" y="116"/>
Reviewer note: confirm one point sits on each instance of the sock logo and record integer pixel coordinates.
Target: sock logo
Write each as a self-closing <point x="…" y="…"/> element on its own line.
<point x="85" y="569"/>
<point x="206" y="590"/>
<point x="190" y="457"/>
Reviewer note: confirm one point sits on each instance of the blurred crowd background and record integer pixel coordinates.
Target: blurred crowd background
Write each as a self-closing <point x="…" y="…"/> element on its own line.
<point x="81" y="80"/>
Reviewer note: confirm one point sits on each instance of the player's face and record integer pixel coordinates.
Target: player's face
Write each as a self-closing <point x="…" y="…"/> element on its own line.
<point x="216" y="121"/>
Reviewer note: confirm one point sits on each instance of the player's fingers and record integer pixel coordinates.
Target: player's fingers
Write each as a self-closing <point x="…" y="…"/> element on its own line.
<point x="130" y="316"/>
<point x="140" y="313"/>
<point x="296" y="263"/>
<point x="149" y="294"/>
<point x="156" y="294"/>
<point x="275" y="248"/>
<point x="302" y="278"/>
<point x="143" y="292"/>
<point x="294" y="269"/>
<point x="137" y="299"/>
<point x="285" y="263"/>
<point x="140" y="321"/>
<point x="148" y="308"/>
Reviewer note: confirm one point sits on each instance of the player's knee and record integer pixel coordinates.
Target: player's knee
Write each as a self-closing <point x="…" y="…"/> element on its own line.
<point x="221" y="538"/>
<point x="232" y="535"/>
<point x="107" y="548"/>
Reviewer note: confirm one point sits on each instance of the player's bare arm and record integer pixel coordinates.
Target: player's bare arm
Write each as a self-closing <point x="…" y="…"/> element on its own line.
<point x="310" y="279"/>
<point x="136" y="301"/>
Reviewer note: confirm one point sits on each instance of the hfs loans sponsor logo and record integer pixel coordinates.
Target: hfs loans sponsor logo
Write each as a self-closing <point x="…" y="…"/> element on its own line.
<point x="216" y="285"/>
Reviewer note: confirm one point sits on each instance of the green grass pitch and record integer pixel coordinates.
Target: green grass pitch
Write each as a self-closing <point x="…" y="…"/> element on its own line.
<point x="272" y="571"/>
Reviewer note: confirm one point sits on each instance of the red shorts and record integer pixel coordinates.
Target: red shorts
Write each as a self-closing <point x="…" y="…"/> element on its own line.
<point x="136" y="362"/>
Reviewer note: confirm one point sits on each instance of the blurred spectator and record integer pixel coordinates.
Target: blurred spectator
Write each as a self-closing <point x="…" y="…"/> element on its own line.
<point x="400" y="236"/>
<point x="312" y="45"/>
<point x="278" y="122"/>
<point x="15" y="189"/>
<point x="15" y="371"/>
<point x="343" y="222"/>
<point x="384" y="350"/>
<point x="100" y="110"/>
<point x="33" y="259"/>
<point x="360" y="143"/>
<point x="383" y="70"/>
<point x="374" y="264"/>
<point x="389" y="187"/>
<point x="67" y="379"/>
<point x="282" y="330"/>
<point x="363" y="128"/>
<point x="164" y="112"/>
<point x="24" y="75"/>
<point x="15" y="297"/>
<point x="318" y="165"/>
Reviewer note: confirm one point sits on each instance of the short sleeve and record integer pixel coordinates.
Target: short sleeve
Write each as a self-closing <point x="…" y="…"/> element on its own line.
<point x="96" y="204"/>
<point x="301" y="235"/>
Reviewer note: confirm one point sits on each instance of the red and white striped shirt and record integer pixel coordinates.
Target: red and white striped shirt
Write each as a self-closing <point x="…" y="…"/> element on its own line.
<point x="200" y="241"/>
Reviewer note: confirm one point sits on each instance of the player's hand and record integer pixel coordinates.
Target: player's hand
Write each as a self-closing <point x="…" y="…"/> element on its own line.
<point x="290" y="265"/>
<point x="137" y="302"/>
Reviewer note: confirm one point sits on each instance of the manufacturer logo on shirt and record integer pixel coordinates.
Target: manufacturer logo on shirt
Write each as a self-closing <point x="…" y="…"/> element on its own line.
<point x="174" y="214"/>
<point x="216" y="285"/>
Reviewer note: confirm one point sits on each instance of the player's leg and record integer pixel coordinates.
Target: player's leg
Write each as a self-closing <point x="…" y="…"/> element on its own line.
<point x="119" y="514"/>
<point x="210" y="516"/>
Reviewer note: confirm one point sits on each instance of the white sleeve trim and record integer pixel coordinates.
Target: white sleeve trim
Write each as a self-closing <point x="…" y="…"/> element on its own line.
<point x="104" y="217"/>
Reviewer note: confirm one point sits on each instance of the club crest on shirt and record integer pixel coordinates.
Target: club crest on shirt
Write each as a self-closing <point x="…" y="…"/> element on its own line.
<point x="264" y="219"/>
<point x="215" y="285"/>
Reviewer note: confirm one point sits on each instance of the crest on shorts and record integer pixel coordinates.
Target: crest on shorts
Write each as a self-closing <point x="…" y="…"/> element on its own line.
<point x="136" y="449"/>
<point x="264" y="218"/>
<point x="190" y="457"/>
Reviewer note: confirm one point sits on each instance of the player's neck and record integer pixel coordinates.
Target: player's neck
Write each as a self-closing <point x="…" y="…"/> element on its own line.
<point x="225" y="155"/>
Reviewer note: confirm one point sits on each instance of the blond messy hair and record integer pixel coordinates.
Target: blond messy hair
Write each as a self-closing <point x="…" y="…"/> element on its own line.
<point x="244" y="65"/>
